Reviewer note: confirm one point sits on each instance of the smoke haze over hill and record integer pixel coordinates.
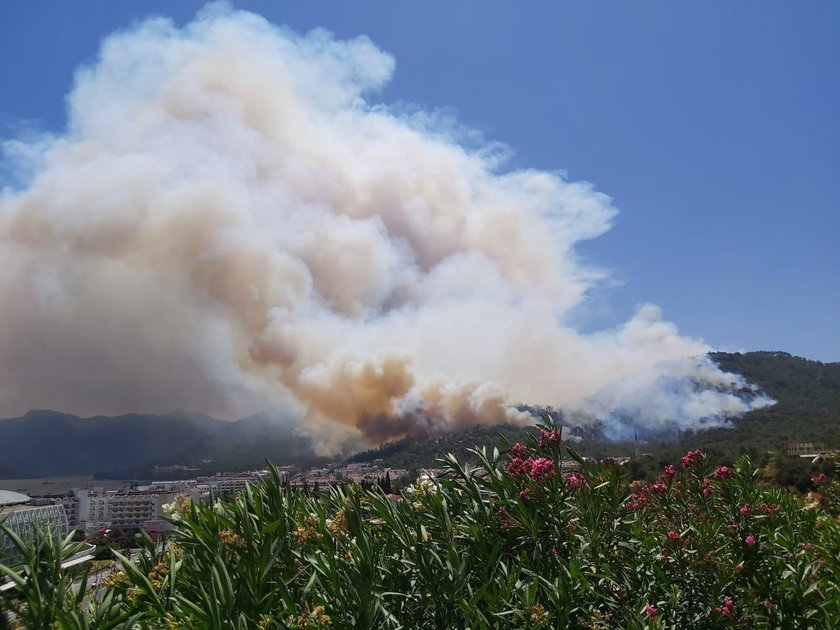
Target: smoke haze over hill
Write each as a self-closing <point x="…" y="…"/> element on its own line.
<point x="228" y="225"/>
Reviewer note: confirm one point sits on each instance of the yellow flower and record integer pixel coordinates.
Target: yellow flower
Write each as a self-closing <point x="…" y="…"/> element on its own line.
<point x="116" y="580"/>
<point x="232" y="540"/>
<point x="310" y="620"/>
<point x="307" y="534"/>
<point x="338" y="525"/>
<point x="538" y="615"/>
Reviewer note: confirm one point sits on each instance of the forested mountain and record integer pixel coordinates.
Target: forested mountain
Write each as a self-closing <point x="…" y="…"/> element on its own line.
<point x="52" y="444"/>
<point x="807" y="409"/>
<point x="46" y="443"/>
<point x="240" y="445"/>
<point x="807" y="395"/>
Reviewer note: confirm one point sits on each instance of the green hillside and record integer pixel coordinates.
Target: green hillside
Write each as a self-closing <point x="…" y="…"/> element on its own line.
<point x="807" y="409"/>
<point x="807" y="395"/>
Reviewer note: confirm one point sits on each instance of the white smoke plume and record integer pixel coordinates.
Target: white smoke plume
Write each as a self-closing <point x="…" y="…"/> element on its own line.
<point x="228" y="225"/>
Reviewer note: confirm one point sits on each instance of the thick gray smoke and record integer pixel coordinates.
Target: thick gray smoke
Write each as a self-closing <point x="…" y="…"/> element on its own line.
<point x="228" y="225"/>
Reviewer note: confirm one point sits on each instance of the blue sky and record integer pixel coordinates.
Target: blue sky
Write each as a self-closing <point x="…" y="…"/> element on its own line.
<point x="714" y="127"/>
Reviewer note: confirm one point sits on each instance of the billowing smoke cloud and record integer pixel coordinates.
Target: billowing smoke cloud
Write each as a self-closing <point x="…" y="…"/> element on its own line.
<point x="228" y="225"/>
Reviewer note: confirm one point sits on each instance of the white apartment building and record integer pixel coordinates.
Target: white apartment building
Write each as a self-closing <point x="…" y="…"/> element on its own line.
<point x="131" y="511"/>
<point x="126" y="510"/>
<point x="228" y="486"/>
<point x="99" y="510"/>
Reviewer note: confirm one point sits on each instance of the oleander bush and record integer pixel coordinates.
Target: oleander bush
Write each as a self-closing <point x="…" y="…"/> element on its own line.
<point x="514" y="542"/>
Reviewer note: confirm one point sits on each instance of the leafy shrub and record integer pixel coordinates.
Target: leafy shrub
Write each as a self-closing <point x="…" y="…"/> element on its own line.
<point x="514" y="542"/>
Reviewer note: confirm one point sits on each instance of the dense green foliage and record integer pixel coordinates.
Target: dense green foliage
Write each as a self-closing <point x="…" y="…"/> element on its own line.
<point x="512" y="543"/>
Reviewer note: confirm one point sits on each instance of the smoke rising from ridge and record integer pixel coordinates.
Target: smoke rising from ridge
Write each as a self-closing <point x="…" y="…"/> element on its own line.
<point x="228" y="225"/>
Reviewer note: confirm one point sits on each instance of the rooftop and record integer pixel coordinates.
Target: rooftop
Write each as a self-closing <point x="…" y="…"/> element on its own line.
<point x="11" y="509"/>
<point x="7" y="497"/>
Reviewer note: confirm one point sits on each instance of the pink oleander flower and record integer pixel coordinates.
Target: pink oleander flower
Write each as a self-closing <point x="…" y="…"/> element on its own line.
<point x="505" y="521"/>
<point x="638" y="500"/>
<point x="689" y="458"/>
<point x="548" y="438"/>
<point x="672" y="535"/>
<point x="575" y="480"/>
<point x="750" y="541"/>
<point x="670" y="471"/>
<point x="819" y="479"/>
<point x="542" y="470"/>
<point x="542" y="466"/>
<point x="658" y="488"/>
<point x="727" y="609"/>
<point x="650" y="611"/>
<point x="518" y="451"/>
<point x="724" y="611"/>
<point x="707" y="488"/>
<point x="520" y="467"/>
<point x="745" y="509"/>
<point x="769" y="508"/>
<point x="723" y="472"/>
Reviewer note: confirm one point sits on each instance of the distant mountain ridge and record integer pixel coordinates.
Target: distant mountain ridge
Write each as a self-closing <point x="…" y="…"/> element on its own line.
<point x="52" y="444"/>
<point x="44" y="443"/>
<point x="238" y="445"/>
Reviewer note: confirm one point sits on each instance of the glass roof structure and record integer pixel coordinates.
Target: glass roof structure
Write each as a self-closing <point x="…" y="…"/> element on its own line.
<point x="7" y="497"/>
